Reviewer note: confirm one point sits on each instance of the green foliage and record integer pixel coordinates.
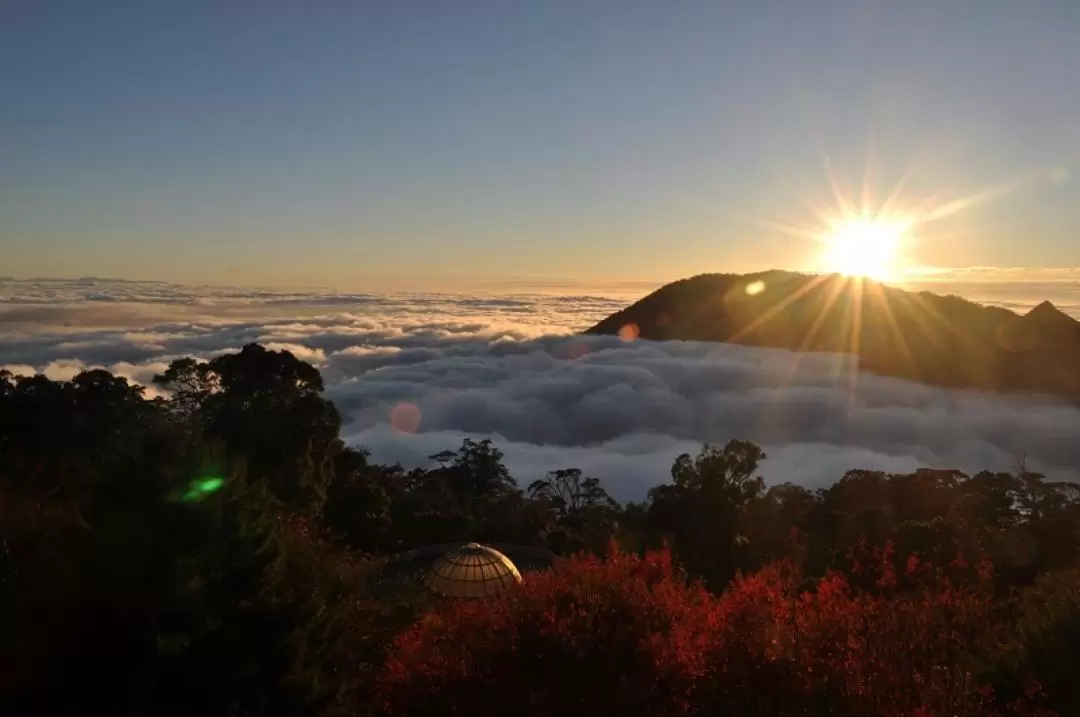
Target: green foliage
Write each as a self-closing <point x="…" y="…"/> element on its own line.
<point x="577" y="512"/>
<point x="111" y="588"/>
<point x="702" y="509"/>
<point x="266" y="408"/>
<point x="221" y="552"/>
<point x="1047" y="640"/>
<point x="358" y="506"/>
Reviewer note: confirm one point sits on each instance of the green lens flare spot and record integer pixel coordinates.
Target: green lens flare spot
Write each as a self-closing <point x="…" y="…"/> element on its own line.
<point x="209" y="485"/>
<point x="199" y="489"/>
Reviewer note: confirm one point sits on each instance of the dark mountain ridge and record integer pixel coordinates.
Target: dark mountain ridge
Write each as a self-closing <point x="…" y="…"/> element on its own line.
<point x="941" y="340"/>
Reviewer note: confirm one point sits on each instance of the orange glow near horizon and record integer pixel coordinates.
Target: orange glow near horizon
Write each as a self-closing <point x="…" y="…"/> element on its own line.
<point x="872" y="239"/>
<point x="865" y="230"/>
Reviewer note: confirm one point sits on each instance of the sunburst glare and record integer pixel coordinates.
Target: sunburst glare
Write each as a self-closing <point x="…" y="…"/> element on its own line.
<point x="863" y="232"/>
<point x="865" y="247"/>
<point x="863" y="235"/>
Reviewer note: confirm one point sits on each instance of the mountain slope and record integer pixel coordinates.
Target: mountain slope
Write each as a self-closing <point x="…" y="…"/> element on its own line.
<point x="943" y="340"/>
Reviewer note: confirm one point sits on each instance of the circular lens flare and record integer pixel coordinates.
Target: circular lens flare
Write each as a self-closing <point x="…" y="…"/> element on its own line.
<point x="405" y="417"/>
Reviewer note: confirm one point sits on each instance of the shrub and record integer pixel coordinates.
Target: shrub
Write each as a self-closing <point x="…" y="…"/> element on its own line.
<point x="1047" y="640"/>
<point x="628" y="636"/>
<point x="619" y="636"/>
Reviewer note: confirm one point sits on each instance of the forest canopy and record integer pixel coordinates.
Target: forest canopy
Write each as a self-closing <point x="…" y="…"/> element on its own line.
<point x="220" y="550"/>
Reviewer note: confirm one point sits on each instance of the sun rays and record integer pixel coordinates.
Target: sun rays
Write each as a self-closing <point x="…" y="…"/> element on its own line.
<point x="859" y="241"/>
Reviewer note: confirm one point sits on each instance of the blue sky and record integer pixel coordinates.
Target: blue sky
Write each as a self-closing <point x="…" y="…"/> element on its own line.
<point x="354" y="143"/>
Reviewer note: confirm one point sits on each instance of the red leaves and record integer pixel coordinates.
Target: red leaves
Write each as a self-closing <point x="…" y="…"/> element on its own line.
<point x="625" y="636"/>
<point x="622" y="636"/>
<point x="912" y="565"/>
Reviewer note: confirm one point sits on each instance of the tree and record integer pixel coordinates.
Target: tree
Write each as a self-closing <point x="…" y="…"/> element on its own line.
<point x="476" y="471"/>
<point x="702" y="509"/>
<point x="584" y="514"/>
<point x="110" y="579"/>
<point x="728" y="471"/>
<point x="358" y="507"/>
<point x="266" y="406"/>
<point x="569" y="494"/>
<point x="221" y="552"/>
<point x="778" y="524"/>
<point x="1047" y="641"/>
<point x="191" y="383"/>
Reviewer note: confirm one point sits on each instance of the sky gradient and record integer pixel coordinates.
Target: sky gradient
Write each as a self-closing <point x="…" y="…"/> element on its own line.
<point x="369" y="143"/>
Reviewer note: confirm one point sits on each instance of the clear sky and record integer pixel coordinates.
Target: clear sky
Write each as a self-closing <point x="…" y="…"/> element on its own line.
<point x="352" y="143"/>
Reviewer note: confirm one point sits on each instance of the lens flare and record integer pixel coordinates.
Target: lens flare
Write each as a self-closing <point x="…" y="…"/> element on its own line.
<point x="755" y="288"/>
<point x="405" y="417"/>
<point x="201" y="488"/>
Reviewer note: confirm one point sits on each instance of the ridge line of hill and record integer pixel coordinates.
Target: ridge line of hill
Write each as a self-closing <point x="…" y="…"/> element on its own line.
<point x="937" y="339"/>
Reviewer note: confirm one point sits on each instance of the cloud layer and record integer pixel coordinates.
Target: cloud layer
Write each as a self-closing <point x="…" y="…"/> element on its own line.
<point x="414" y="374"/>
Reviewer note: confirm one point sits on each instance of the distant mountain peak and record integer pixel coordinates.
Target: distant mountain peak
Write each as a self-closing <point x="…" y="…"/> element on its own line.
<point x="1046" y="312"/>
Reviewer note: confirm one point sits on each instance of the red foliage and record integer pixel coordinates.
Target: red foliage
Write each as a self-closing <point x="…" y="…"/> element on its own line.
<point x="619" y="636"/>
<point x="626" y="636"/>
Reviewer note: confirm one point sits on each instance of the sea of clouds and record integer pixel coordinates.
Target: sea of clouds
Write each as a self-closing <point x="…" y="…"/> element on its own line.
<point x="414" y="373"/>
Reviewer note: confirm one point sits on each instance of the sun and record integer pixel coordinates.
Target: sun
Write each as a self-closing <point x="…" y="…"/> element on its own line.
<point x="868" y="248"/>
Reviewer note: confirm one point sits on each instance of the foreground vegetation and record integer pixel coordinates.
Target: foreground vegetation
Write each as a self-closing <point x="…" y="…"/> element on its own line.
<point x="221" y="552"/>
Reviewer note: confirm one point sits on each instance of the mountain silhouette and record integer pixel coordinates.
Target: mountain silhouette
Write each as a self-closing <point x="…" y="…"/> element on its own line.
<point x="1048" y="315"/>
<point x="942" y="340"/>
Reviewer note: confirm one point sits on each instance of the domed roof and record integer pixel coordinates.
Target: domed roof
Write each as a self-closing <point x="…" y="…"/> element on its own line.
<point x="472" y="571"/>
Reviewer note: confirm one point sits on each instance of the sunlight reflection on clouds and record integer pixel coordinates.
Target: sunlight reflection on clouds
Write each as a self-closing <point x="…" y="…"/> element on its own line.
<point x="414" y="374"/>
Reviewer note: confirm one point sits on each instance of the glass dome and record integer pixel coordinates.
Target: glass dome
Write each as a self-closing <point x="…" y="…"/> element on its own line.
<point x="472" y="571"/>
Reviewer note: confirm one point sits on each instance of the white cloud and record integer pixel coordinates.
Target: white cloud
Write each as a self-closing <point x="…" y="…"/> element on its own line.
<point x="141" y="374"/>
<point x="625" y="410"/>
<point x="313" y="356"/>
<point x="1018" y="289"/>
<point x="63" y="369"/>
<point x="507" y="367"/>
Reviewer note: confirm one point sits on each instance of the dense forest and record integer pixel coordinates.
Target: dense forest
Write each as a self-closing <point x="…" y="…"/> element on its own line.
<point x="218" y="550"/>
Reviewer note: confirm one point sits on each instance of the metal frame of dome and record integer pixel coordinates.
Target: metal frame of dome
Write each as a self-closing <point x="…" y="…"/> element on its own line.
<point x="472" y="571"/>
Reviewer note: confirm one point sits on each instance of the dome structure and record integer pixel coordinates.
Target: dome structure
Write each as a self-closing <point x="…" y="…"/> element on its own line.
<point x="472" y="571"/>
